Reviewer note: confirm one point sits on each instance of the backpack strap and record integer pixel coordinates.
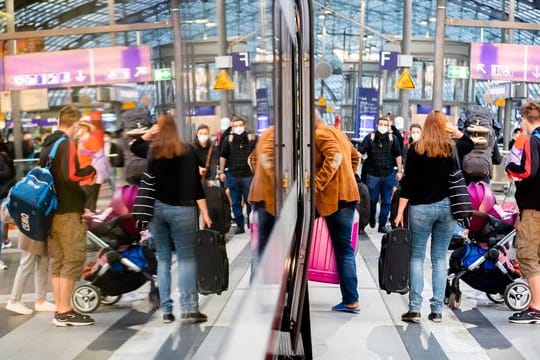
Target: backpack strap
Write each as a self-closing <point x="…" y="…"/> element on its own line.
<point x="52" y="154"/>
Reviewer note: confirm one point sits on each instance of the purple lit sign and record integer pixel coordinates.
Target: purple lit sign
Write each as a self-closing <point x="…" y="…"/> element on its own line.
<point x="78" y="67"/>
<point x="505" y="62"/>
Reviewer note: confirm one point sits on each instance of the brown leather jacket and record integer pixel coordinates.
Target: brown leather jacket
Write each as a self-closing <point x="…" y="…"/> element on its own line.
<point x="263" y="183"/>
<point x="336" y="162"/>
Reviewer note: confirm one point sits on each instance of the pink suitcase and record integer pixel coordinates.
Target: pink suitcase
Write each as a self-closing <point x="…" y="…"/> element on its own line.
<point x="322" y="266"/>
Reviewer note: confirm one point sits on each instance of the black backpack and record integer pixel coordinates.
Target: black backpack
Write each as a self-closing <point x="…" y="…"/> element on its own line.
<point x="478" y="125"/>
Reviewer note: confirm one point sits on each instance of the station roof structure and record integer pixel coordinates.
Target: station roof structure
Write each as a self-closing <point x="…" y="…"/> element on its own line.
<point x="337" y="27"/>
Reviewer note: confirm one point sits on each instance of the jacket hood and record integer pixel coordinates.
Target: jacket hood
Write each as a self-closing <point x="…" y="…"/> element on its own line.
<point x="53" y="137"/>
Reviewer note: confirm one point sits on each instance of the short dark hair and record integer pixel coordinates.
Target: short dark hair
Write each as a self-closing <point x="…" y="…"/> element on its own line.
<point x="516" y="130"/>
<point x="238" y="118"/>
<point x="415" y="125"/>
<point x="528" y="108"/>
<point x="203" y="126"/>
<point x="383" y="118"/>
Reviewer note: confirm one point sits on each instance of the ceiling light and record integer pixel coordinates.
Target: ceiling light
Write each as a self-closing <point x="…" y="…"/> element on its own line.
<point x="423" y="22"/>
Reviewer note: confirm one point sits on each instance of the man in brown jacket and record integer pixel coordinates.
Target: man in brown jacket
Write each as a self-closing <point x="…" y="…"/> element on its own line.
<point x="336" y="162"/>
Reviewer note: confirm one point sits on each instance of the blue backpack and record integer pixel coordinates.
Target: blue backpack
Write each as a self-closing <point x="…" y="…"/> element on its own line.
<point x="32" y="201"/>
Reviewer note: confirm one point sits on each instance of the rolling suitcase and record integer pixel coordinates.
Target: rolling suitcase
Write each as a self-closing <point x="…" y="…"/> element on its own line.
<point x="322" y="265"/>
<point x="363" y="206"/>
<point x="212" y="262"/>
<point x="394" y="261"/>
<point x="219" y="208"/>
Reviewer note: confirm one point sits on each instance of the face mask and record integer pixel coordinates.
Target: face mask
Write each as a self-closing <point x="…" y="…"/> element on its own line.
<point x="382" y="129"/>
<point x="238" y="130"/>
<point x="415" y="137"/>
<point x="202" y="138"/>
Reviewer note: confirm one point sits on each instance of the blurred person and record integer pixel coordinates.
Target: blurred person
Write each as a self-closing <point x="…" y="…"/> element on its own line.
<point x="336" y="195"/>
<point x="234" y="168"/>
<point x="528" y="224"/>
<point x="415" y="132"/>
<point x="67" y="241"/>
<point x="7" y="180"/>
<point x="394" y="129"/>
<point x="262" y="191"/>
<point x="33" y="259"/>
<point x="515" y="135"/>
<point x="425" y="188"/>
<point x="384" y="157"/>
<point x="88" y="146"/>
<point x="205" y="147"/>
<point x="178" y="186"/>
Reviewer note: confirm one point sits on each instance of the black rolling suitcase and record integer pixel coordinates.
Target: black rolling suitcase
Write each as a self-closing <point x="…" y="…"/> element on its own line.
<point x="219" y="208"/>
<point x="394" y="261"/>
<point x="212" y="262"/>
<point x="364" y="204"/>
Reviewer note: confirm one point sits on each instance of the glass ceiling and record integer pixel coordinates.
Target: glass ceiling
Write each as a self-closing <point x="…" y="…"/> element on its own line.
<point x="336" y="21"/>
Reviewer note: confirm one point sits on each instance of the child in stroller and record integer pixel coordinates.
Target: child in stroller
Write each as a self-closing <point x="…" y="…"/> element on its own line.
<point x="483" y="262"/>
<point x="122" y="265"/>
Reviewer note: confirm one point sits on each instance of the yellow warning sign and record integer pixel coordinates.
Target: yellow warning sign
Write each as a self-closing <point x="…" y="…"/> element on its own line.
<point x="405" y="80"/>
<point x="224" y="81"/>
<point x="321" y="102"/>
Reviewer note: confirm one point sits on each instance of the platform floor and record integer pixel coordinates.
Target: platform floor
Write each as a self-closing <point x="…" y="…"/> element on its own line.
<point x="127" y="330"/>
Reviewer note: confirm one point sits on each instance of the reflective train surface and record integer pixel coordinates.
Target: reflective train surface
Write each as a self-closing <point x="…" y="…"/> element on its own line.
<point x="270" y="310"/>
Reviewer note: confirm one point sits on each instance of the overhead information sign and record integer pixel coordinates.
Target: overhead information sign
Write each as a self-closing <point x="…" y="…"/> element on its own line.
<point x="405" y="80"/>
<point x="506" y="62"/>
<point x="77" y="67"/>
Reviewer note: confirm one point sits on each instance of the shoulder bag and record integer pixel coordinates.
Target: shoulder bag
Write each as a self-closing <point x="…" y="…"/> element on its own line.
<point x="460" y="202"/>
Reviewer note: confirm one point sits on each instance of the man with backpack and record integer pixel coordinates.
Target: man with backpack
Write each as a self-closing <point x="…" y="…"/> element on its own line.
<point x="528" y="201"/>
<point x="479" y="126"/>
<point x="67" y="240"/>
<point x="384" y="157"/>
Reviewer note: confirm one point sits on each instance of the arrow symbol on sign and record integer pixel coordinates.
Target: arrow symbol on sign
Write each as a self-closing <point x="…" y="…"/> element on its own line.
<point x="536" y="72"/>
<point x="80" y="76"/>
<point x="480" y="68"/>
<point x="141" y="70"/>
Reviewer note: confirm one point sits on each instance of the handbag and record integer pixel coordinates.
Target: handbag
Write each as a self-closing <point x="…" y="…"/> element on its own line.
<point x="460" y="202"/>
<point x="143" y="207"/>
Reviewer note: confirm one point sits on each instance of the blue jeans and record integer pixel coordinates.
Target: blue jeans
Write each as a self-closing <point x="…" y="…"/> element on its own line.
<point x="436" y="220"/>
<point x="340" y="228"/>
<point x="176" y="225"/>
<point x="380" y="187"/>
<point x="266" y="224"/>
<point x="239" y="187"/>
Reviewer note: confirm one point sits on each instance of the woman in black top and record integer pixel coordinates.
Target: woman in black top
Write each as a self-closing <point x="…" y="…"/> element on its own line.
<point x="178" y="187"/>
<point x="425" y="189"/>
<point x="207" y="152"/>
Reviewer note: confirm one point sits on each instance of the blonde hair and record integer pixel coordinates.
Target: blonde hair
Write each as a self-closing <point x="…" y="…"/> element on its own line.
<point x="167" y="143"/>
<point x="69" y="115"/>
<point x="434" y="141"/>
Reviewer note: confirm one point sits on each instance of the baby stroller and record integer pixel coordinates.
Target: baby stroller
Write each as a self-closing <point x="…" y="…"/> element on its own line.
<point x="483" y="262"/>
<point x="123" y="265"/>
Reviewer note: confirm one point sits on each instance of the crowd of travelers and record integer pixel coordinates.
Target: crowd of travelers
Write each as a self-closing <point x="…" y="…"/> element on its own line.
<point x="242" y="164"/>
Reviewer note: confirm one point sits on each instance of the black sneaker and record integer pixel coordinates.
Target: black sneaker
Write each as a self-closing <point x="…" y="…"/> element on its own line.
<point x="437" y="318"/>
<point x="239" y="230"/>
<point x="383" y="229"/>
<point x="72" y="318"/>
<point x="193" y="317"/>
<point x="525" y="317"/>
<point x="412" y="317"/>
<point x="372" y="223"/>
<point x="168" y="318"/>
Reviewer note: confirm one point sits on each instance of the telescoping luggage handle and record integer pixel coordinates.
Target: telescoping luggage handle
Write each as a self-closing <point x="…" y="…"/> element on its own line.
<point x="52" y="154"/>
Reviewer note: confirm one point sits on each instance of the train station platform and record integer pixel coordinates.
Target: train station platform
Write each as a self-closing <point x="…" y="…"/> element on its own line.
<point x="129" y="330"/>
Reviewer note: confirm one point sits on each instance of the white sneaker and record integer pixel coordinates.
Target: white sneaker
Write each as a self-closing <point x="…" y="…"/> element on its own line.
<point x="45" y="306"/>
<point x="3" y="265"/>
<point x="7" y="244"/>
<point x="19" y="308"/>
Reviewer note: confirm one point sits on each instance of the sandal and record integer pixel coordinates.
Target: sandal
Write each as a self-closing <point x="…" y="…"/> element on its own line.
<point x="343" y="308"/>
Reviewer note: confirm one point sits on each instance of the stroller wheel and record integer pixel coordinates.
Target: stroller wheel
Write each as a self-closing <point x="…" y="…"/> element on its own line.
<point x="454" y="300"/>
<point x="86" y="298"/>
<point x="496" y="298"/>
<point x="110" y="299"/>
<point x="517" y="296"/>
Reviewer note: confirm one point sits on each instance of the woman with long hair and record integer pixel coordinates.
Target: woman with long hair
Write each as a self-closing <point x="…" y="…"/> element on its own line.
<point x="425" y="188"/>
<point x="178" y="186"/>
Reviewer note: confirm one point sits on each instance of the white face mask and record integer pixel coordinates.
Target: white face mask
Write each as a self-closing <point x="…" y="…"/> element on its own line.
<point x="238" y="130"/>
<point x="382" y="129"/>
<point x="415" y="137"/>
<point x="202" y="138"/>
